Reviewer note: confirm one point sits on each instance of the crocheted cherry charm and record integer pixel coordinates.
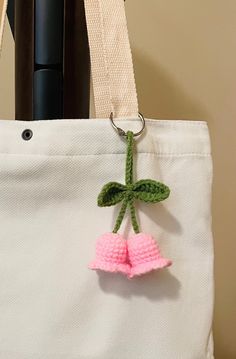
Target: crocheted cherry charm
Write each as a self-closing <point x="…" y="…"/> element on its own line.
<point x="144" y="255"/>
<point x="111" y="254"/>
<point x="140" y="254"/>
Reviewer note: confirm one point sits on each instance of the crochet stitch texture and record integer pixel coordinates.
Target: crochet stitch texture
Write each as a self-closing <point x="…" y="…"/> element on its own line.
<point x="140" y="253"/>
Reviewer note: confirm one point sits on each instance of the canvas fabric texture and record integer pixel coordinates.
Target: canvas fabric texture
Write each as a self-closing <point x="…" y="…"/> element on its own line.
<point x="51" y="305"/>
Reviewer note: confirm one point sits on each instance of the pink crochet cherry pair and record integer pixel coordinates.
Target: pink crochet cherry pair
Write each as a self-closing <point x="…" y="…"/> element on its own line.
<point x="140" y="253"/>
<point x="133" y="257"/>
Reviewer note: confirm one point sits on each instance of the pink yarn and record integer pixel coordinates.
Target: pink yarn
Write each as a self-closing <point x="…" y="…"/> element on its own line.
<point x="144" y="255"/>
<point x="111" y="254"/>
<point x="138" y="255"/>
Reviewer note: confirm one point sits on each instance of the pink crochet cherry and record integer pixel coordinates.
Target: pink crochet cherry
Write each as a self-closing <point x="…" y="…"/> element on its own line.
<point x="111" y="254"/>
<point x="144" y="255"/>
<point x="140" y="254"/>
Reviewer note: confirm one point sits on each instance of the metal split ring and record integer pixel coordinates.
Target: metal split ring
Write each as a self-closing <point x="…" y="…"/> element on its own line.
<point x="122" y="132"/>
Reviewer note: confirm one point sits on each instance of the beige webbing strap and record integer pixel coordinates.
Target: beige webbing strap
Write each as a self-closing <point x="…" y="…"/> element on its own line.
<point x="111" y="59"/>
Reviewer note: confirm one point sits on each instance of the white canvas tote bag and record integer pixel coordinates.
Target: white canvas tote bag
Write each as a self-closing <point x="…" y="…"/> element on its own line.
<point x="52" y="305"/>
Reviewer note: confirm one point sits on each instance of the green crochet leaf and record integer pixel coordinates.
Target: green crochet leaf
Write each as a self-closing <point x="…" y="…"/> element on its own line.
<point x="111" y="194"/>
<point x="148" y="190"/>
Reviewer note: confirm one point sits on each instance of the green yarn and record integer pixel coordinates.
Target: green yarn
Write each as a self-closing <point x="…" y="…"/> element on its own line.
<point x="146" y="190"/>
<point x="133" y="216"/>
<point x="129" y="160"/>
<point x="111" y="194"/>
<point x="120" y="216"/>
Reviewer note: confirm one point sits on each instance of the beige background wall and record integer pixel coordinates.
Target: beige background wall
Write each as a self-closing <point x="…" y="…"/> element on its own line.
<point x="185" y="64"/>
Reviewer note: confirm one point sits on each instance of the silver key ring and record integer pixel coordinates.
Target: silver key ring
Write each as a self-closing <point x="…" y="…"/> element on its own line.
<point x="122" y="132"/>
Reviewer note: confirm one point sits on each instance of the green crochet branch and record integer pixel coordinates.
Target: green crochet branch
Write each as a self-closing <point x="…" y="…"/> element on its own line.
<point x="128" y="200"/>
<point x="146" y="190"/>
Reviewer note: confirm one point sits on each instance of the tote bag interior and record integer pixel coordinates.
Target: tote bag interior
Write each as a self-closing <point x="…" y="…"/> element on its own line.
<point x="51" y="305"/>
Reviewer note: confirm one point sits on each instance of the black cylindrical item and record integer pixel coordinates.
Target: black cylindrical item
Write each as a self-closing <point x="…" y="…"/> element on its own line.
<point x="11" y="15"/>
<point x="52" y="59"/>
<point x="48" y="94"/>
<point x="76" y="61"/>
<point x="49" y="20"/>
<point x="24" y="58"/>
<point x="48" y="59"/>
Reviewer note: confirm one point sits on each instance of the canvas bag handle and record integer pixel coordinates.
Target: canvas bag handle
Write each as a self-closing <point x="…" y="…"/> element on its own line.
<point x="112" y="70"/>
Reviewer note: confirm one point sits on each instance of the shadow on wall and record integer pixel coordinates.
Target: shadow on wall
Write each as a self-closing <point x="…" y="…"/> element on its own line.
<point x="159" y="94"/>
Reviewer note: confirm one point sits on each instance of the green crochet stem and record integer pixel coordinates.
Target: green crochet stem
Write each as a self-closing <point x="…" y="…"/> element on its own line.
<point x="129" y="198"/>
